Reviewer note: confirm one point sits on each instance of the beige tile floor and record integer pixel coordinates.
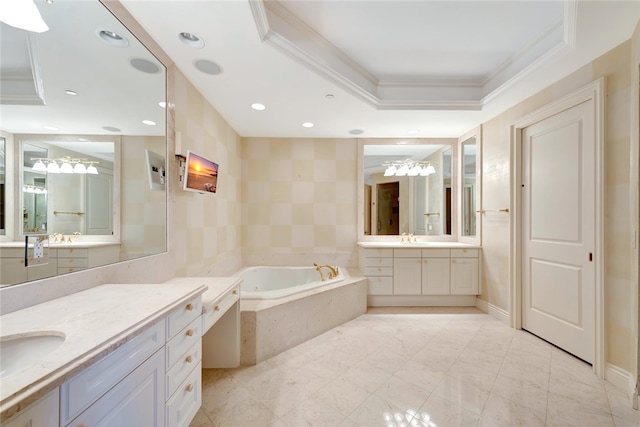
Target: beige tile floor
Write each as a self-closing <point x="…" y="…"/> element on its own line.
<point x="415" y="367"/>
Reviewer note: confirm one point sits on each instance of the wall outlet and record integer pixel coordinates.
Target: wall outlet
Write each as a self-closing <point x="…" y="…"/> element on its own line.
<point x="38" y="250"/>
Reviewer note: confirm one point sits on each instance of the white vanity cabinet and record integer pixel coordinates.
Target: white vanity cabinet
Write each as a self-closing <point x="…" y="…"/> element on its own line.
<point x="81" y="258"/>
<point x="419" y="275"/>
<point x="42" y="413"/>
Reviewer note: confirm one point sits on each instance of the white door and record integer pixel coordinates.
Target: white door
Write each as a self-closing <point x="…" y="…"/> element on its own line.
<point x="99" y="207"/>
<point x="558" y="236"/>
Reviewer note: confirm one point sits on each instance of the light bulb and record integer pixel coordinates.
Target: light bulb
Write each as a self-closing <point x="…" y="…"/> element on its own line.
<point x="431" y="169"/>
<point x="415" y="171"/>
<point x="53" y="167"/>
<point x="92" y="170"/>
<point x="404" y="169"/>
<point x="79" y="168"/>
<point x="39" y="166"/>
<point x="66" y="168"/>
<point x="390" y="171"/>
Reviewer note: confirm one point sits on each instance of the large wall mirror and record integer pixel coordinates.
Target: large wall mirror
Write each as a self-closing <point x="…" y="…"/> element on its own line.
<point x="470" y="187"/>
<point x="407" y="187"/>
<point x="82" y="106"/>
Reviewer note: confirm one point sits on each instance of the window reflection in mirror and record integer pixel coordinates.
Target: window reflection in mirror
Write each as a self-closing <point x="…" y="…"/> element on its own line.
<point x="469" y="171"/>
<point x="415" y="202"/>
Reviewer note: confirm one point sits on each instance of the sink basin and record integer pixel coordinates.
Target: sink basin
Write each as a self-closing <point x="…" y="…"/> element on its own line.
<point x="18" y="352"/>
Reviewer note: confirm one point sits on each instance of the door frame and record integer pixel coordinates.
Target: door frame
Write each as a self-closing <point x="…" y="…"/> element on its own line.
<point x="595" y="92"/>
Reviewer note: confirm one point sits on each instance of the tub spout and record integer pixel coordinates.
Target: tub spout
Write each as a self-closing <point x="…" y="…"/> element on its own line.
<point x="333" y="271"/>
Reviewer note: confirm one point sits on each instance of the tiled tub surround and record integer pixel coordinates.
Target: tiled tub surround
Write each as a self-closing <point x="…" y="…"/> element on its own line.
<point x="271" y="326"/>
<point x="95" y="323"/>
<point x="421" y="273"/>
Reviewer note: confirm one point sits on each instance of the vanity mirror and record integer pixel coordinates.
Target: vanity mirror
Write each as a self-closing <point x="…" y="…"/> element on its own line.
<point x="407" y="186"/>
<point x="470" y="209"/>
<point x="85" y="90"/>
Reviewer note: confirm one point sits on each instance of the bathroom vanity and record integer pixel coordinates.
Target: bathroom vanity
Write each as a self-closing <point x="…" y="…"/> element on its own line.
<point x="112" y="353"/>
<point x="420" y="274"/>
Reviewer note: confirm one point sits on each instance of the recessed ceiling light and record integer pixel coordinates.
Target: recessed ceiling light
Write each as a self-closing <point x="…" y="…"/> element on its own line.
<point x="111" y="128"/>
<point x="144" y="65"/>
<point x="71" y="92"/>
<point x="207" y="67"/>
<point x="356" y="131"/>
<point x="149" y="122"/>
<point x="191" y="40"/>
<point x="329" y="96"/>
<point x="47" y="127"/>
<point x="112" y="38"/>
<point x="413" y="132"/>
<point x="307" y="125"/>
<point x="162" y="104"/>
<point x="258" y="107"/>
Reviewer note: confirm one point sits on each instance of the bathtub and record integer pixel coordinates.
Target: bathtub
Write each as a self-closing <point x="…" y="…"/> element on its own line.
<point x="281" y="307"/>
<point x="262" y="282"/>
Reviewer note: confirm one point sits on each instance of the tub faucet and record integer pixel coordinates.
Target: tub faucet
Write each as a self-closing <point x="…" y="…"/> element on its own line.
<point x="333" y="271"/>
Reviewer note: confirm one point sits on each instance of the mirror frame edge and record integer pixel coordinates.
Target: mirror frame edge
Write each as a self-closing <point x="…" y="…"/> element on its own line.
<point x="361" y="142"/>
<point x="9" y="177"/>
<point x="477" y="239"/>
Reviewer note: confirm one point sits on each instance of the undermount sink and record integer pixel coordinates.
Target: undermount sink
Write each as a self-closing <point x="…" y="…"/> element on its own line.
<point x="18" y="352"/>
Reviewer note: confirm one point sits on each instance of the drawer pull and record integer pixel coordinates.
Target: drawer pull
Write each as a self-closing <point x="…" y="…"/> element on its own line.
<point x="235" y="292"/>
<point x="189" y="359"/>
<point x="189" y="307"/>
<point x="217" y="308"/>
<point x="189" y="387"/>
<point x="190" y="332"/>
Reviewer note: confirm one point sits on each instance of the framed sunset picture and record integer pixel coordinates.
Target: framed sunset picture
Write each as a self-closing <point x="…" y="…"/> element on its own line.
<point x="201" y="174"/>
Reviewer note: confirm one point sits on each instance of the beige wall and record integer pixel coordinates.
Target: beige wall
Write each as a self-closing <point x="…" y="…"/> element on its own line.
<point x="618" y="287"/>
<point x="299" y="201"/>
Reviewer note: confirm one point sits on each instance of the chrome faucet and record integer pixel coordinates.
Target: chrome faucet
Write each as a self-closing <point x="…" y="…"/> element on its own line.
<point x="333" y="271"/>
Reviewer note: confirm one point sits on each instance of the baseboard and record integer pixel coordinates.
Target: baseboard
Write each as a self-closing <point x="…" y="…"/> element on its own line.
<point x="493" y="311"/>
<point x="622" y="380"/>
<point x="421" y="300"/>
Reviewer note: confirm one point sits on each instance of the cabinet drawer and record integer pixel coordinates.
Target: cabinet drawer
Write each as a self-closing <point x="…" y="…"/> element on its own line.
<point x="183" y="315"/>
<point x="378" y="271"/>
<point x="137" y="400"/>
<point x="85" y="388"/>
<point x="436" y="253"/>
<point x="72" y="252"/>
<point x="377" y="252"/>
<point x="211" y="314"/>
<point x="380" y="286"/>
<point x="69" y="269"/>
<point x="464" y="253"/>
<point x="378" y="262"/>
<point x="185" y="402"/>
<point x="72" y="262"/>
<point x="181" y="370"/>
<point x="183" y="341"/>
<point x="407" y="253"/>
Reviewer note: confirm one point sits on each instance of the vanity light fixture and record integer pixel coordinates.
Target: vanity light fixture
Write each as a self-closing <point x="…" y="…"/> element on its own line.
<point x="258" y="107"/>
<point x="408" y="168"/>
<point x="65" y="165"/>
<point x="33" y="189"/>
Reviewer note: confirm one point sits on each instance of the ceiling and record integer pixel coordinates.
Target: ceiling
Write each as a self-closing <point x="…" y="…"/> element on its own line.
<point x="380" y="68"/>
<point x="368" y="68"/>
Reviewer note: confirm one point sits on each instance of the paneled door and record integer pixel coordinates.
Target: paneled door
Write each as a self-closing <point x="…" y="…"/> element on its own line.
<point x="558" y="236"/>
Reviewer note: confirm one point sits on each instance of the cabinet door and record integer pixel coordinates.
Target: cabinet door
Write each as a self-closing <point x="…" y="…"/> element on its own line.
<point x="43" y="413"/>
<point x="407" y="276"/>
<point x="464" y="276"/>
<point x="435" y="276"/>
<point x="138" y="400"/>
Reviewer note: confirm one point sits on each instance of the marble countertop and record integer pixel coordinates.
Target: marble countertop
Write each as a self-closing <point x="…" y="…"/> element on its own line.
<point x="217" y="288"/>
<point x="94" y="322"/>
<point x="455" y="245"/>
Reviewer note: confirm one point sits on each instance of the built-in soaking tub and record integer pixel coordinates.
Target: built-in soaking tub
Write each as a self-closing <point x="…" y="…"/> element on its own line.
<point x="281" y="307"/>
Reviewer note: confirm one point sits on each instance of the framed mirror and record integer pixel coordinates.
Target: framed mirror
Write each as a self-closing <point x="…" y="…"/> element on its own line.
<point x="470" y="187"/>
<point x="407" y="186"/>
<point x="3" y="180"/>
<point x="87" y="92"/>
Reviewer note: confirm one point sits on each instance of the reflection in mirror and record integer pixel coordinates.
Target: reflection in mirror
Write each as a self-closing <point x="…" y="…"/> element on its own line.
<point x="3" y="162"/>
<point x="92" y="79"/>
<point x="469" y="187"/>
<point x="407" y="189"/>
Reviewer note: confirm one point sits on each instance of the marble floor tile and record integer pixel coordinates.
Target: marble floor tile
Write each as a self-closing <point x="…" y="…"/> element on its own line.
<point x="420" y="367"/>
